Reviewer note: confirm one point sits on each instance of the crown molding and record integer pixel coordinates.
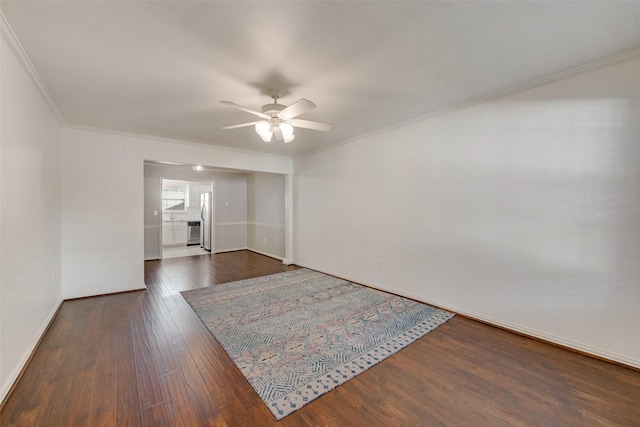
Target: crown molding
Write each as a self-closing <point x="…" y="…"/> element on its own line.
<point x="14" y="44"/>
<point x="198" y="144"/>
<point x="16" y="47"/>
<point x="551" y="78"/>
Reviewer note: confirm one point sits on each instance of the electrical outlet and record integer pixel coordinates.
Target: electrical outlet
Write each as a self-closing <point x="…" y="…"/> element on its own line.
<point x="379" y="265"/>
<point x="264" y="240"/>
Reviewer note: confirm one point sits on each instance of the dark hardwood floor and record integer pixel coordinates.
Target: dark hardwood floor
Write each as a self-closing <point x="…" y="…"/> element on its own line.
<point x="145" y="359"/>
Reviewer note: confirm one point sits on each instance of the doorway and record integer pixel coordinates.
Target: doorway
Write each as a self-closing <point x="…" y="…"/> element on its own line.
<point x="183" y="218"/>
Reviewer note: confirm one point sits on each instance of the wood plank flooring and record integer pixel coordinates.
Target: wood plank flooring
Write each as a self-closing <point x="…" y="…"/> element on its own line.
<point x="145" y="359"/>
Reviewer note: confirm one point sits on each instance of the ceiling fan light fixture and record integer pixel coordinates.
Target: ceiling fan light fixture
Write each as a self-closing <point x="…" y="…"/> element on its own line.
<point x="280" y="119"/>
<point x="266" y="137"/>
<point x="287" y="132"/>
<point x="287" y="129"/>
<point x="265" y="131"/>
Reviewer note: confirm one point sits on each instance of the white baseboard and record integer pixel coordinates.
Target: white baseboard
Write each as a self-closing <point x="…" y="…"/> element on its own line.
<point x="15" y="374"/>
<point x="221" y="251"/>
<point x="256" y="251"/>
<point x="100" y="292"/>
<point x="580" y="347"/>
<point x="266" y="254"/>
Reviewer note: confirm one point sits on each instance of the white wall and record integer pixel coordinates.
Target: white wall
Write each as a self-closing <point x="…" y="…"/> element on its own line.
<point x="103" y="202"/>
<point x="102" y="214"/>
<point x="266" y="230"/>
<point x="523" y="211"/>
<point x="30" y="290"/>
<point x="72" y="208"/>
<point x="231" y="212"/>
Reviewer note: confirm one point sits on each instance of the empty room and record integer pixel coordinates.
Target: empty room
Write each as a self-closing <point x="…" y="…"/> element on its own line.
<point x="319" y="213"/>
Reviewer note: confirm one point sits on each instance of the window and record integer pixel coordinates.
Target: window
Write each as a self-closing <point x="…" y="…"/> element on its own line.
<point x="174" y="198"/>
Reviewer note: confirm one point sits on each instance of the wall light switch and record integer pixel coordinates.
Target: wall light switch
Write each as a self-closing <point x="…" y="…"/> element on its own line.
<point x="155" y="213"/>
<point x="226" y="203"/>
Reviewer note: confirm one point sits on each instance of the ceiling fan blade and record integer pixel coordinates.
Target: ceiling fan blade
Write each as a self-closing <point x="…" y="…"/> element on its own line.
<point x="248" y="110"/>
<point x="308" y="124"/>
<point x="297" y="108"/>
<point x="278" y="133"/>
<point x="243" y="125"/>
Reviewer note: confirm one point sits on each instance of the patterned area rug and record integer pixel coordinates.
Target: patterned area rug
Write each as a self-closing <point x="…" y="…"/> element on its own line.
<point x="299" y="334"/>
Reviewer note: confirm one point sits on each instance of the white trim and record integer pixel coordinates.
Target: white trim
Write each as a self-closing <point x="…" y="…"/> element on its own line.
<point x="246" y="248"/>
<point x="266" y="224"/>
<point x="266" y="254"/>
<point x="105" y="292"/>
<point x="572" y="72"/>
<point x="598" y="352"/>
<point x="257" y="224"/>
<point x="10" y="37"/>
<point x="16" y="47"/>
<point x="213" y="216"/>
<point x="159" y="209"/>
<point x="215" y="169"/>
<point x="231" y="250"/>
<point x="289" y="219"/>
<point x="13" y="377"/>
<point x="194" y="143"/>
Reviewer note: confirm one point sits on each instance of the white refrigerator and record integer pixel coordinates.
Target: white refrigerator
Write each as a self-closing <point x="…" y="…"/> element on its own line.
<point x="205" y="217"/>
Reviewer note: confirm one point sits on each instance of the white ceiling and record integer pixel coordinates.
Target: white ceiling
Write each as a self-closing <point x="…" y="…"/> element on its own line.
<point x="161" y="68"/>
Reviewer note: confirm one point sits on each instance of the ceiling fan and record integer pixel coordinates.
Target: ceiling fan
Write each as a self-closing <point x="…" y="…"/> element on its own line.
<point x="279" y="120"/>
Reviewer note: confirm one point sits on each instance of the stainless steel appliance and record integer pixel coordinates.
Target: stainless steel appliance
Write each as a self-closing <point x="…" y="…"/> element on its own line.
<point x="205" y="223"/>
<point x="193" y="233"/>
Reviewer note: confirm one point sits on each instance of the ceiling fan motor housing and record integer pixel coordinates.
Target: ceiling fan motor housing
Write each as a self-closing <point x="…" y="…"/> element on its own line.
<point x="274" y="122"/>
<point x="270" y="109"/>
